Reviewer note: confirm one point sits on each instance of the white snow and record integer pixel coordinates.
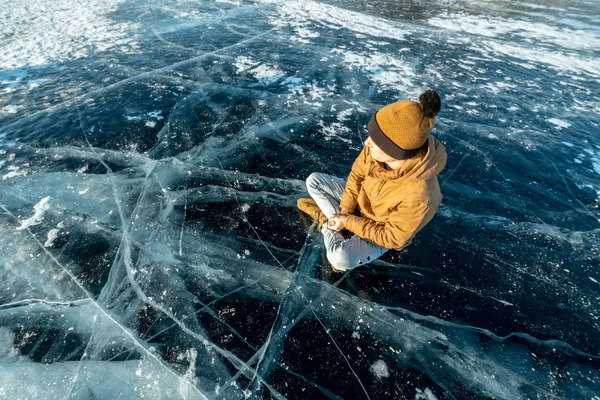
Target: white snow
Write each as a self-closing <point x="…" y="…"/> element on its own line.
<point x="38" y="216"/>
<point x="497" y="87"/>
<point x="380" y="369"/>
<point x="525" y="31"/>
<point x="506" y="303"/>
<point x="7" y="347"/>
<point x="262" y="72"/>
<point x="59" y="31"/>
<point x="303" y="35"/>
<point x="596" y="164"/>
<point x="14" y="171"/>
<point x="531" y="36"/>
<point x="301" y="14"/>
<point x="334" y="130"/>
<point x="52" y="235"/>
<point x="153" y="115"/>
<point x="267" y="73"/>
<point x="156" y="115"/>
<point x="562" y="62"/>
<point x="9" y="109"/>
<point x="390" y="72"/>
<point x="560" y="124"/>
<point x="471" y="24"/>
<point x="32" y="84"/>
<point x="243" y="63"/>
<point x="426" y="394"/>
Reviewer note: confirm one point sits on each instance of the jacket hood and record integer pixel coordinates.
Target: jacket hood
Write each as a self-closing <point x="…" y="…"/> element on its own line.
<point x="427" y="164"/>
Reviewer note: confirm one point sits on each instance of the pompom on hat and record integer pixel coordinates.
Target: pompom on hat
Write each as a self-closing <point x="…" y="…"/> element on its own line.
<point x="400" y="129"/>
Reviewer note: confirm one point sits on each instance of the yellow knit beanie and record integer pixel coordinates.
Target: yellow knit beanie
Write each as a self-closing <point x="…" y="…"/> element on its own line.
<point x="400" y="129"/>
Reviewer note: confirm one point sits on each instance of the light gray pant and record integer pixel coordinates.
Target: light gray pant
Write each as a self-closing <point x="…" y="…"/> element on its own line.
<point x="343" y="254"/>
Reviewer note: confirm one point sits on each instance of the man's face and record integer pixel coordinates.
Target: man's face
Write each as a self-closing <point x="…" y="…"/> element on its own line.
<point x="377" y="153"/>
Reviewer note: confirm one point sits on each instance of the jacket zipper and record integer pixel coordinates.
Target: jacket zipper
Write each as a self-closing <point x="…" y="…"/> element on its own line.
<point x="376" y="193"/>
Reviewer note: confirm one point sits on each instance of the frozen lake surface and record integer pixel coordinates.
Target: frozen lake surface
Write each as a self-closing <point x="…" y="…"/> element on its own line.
<point x="151" y="155"/>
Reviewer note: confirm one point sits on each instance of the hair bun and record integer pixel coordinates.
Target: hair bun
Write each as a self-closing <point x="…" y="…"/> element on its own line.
<point x="431" y="103"/>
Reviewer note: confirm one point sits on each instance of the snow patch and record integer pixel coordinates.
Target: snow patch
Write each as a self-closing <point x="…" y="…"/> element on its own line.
<point x="38" y="216"/>
<point x="300" y="14"/>
<point x="9" y="109"/>
<point x="426" y="394"/>
<point x="8" y="352"/>
<point x="533" y="56"/>
<point x="560" y="124"/>
<point x="380" y="369"/>
<point x="156" y="115"/>
<point x="152" y="114"/>
<point x="59" y="31"/>
<point x="262" y="72"/>
<point x="188" y="380"/>
<point x="267" y="73"/>
<point x="387" y="71"/>
<point x="32" y="84"/>
<point x="303" y="35"/>
<point x="596" y="165"/>
<point x="333" y="130"/>
<point x="497" y="87"/>
<point x="525" y="31"/>
<point x="52" y="235"/>
<point x="14" y="171"/>
<point x="506" y="303"/>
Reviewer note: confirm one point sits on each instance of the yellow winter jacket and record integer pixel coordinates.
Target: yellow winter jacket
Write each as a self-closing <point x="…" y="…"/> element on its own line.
<point x="394" y="204"/>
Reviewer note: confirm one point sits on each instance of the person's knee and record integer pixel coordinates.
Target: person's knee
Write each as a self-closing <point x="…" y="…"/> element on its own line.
<point x="341" y="259"/>
<point x="313" y="181"/>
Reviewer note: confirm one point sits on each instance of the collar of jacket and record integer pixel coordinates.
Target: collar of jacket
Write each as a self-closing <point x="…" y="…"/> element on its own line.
<point x="378" y="170"/>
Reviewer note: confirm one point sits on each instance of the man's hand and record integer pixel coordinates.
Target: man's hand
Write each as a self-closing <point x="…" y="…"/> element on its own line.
<point x="337" y="222"/>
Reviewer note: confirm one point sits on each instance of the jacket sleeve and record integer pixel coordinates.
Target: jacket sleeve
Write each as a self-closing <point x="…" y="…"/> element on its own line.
<point x="354" y="183"/>
<point x="398" y="230"/>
